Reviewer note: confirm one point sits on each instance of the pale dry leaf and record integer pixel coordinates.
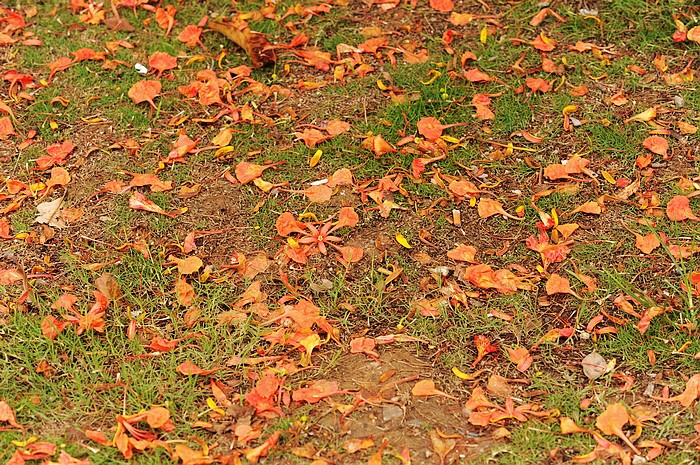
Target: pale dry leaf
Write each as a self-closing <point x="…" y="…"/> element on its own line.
<point x="49" y="213"/>
<point x="594" y="365"/>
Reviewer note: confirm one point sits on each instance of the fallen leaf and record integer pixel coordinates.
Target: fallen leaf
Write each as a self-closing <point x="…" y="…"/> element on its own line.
<point x="688" y="396"/>
<point x="165" y="17"/>
<point x="426" y="388"/>
<point x="378" y="145"/>
<point x="145" y="91"/>
<point x="594" y="365"/>
<point x="687" y="128"/>
<point x="476" y="75"/>
<point x="189" y="456"/>
<point x="97" y="436"/>
<point x="478" y="400"/>
<point x="149" y="179"/>
<point x="61" y="64"/>
<point x="537" y="84"/>
<point x="50" y="212"/>
<point x="611" y="422"/>
<point x="353" y="445"/>
<point x="187" y="265"/>
<point x="592" y="208"/>
<point x="188" y="368"/>
<point x="678" y="209"/>
<point x="441" y="446"/>
<point x="318" y="194"/>
<point x="119" y="24"/>
<point x="247" y="172"/>
<point x="161" y="61"/>
<point x="498" y="385"/>
<point x="557" y="284"/>
<point x="647" y="316"/>
<point x="645" y="116"/>
<point x="191" y="36"/>
<point x="318" y="390"/>
<point x="255" y="44"/>
<point x="6" y="128"/>
<point x="364" y="345"/>
<point x="184" y="292"/>
<point x="489" y="207"/>
<point x="647" y="244"/>
<point x="569" y="426"/>
<point x="657" y="145"/>
<point x="108" y="286"/>
<point x="51" y="327"/>
<point x="59" y="177"/>
<point x="138" y="201"/>
<point x="521" y="357"/>
<point x="463" y="253"/>
<point x="158" y="344"/>
<point x="442" y="6"/>
<point x="694" y="34"/>
<point x="403" y="242"/>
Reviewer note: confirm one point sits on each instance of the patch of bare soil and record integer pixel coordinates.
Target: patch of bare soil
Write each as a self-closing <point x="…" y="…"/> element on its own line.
<point x="391" y="413"/>
<point x="223" y="213"/>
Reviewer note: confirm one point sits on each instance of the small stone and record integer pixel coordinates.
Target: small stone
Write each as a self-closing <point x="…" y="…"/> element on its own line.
<point x="679" y="101"/>
<point x="587" y="12"/>
<point x="441" y="270"/>
<point x="142" y="70"/>
<point x="391" y="412"/>
<point x="594" y="365"/>
<point x="324" y="285"/>
<point x="649" y="390"/>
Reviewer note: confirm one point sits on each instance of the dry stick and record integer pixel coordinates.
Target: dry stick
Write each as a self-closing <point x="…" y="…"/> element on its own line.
<point x="114" y="10"/>
<point x="401" y="381"/>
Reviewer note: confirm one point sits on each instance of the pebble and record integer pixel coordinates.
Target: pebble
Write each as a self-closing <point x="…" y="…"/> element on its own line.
<point x="391" y="412"/>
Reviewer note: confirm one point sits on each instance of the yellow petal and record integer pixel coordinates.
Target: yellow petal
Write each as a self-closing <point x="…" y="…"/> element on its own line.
<point x="608" y="177"/>
<point x="195" y="59"/>
<point x="402" y="241"/>
<point x="213" y="407"/>
<point x="460" y="374"/>
<point x="223" y="150"/>
<point x="315" y="159"/>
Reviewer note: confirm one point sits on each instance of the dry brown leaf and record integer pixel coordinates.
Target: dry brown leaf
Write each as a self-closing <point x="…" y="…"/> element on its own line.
<point x="50" y="213"/>
<point x="108" y="285"/>
<point x="442" y="447"/>
<point x="255" y="44"/>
